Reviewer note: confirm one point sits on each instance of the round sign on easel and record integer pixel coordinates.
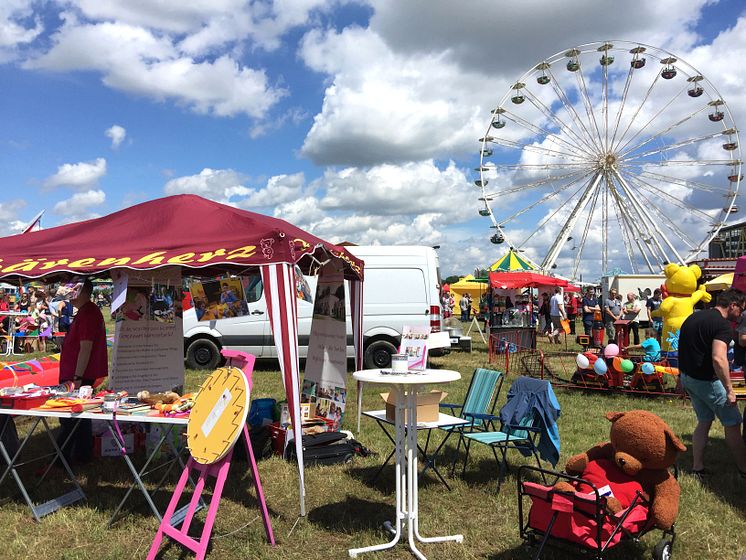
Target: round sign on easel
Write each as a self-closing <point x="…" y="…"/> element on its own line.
<point x="218" y="415"/>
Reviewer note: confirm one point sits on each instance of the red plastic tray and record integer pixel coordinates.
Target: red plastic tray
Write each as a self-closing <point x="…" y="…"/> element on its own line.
<point x="23" y="403"/>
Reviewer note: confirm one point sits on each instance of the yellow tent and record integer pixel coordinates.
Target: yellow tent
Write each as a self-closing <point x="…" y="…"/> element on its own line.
<point x="463" y="287"/>
<point x="722" y="282"/>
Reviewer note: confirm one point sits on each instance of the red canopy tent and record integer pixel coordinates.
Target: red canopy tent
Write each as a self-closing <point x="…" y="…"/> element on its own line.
<point x="514" y="280"/>
<point x="205" y="238"/>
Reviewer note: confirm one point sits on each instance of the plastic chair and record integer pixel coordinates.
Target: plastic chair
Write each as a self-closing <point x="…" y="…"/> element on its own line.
<point x="527" y="423"/>
<point x="478" y="407"/>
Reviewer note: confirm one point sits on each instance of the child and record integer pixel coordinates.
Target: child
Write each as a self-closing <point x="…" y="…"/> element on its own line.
<point x="651" y="346"/>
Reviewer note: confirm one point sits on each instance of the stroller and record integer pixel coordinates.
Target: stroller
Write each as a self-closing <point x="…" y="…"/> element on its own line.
<point x="579" y="522"/>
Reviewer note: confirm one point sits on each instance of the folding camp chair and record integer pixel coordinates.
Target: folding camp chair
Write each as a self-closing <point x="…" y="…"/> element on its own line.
<point x="527" y="423"/>
<point x="479" y="405"/>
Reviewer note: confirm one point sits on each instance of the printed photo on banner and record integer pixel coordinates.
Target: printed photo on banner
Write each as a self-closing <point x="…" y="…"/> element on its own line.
<point x="165" y="304"/>
<point x="136" y="305"/>
<point x="219" y="299"/>
<point x="414" y="346"/>
<point x="326" y="401"/>
<point x="302" y="289"/>
<point x="330" y="301"/>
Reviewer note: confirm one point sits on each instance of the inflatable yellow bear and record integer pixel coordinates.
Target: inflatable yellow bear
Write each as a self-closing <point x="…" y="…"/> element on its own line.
<point x="681" y="294"/>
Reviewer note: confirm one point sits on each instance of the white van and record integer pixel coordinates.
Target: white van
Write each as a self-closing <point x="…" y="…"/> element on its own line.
<point x="402" y="287"/>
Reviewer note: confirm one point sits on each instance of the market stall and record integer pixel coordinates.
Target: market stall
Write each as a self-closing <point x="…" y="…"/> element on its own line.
<point x="202" y="238"/>
<point x="516" y="327"/>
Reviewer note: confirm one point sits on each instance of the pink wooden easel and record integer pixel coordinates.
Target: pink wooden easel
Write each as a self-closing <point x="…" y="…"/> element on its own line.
<point x="219" y="471"/>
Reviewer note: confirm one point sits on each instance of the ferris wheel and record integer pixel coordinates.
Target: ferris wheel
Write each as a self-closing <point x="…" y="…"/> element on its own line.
<point x="616" y="155"/>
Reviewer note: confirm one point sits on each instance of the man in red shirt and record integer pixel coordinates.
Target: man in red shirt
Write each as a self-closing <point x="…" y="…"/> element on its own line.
<point x="84" y="360"/>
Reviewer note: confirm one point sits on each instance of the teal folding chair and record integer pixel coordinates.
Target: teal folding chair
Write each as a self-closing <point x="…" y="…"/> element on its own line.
<point x="478" y="407"/>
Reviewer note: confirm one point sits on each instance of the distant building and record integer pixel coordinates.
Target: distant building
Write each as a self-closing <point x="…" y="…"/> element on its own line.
<point x="729" y="243"/>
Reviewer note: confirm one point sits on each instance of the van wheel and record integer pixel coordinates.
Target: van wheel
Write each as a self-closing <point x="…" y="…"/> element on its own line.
<point x="378" y="354"/>
<point x="203" y="353"/>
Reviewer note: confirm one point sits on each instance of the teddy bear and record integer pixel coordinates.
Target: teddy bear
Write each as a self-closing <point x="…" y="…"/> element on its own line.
<point x="643" y="447"/>
<point x="681" y="294"/>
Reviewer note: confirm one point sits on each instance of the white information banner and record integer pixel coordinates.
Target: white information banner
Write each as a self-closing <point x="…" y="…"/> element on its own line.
<point x="326" y="366"/>
<point x="148" y="352"/>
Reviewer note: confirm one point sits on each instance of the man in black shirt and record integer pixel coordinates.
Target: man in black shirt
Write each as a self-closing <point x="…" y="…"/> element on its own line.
<point x="703" y="364"/>
<point x="590" y="306"/>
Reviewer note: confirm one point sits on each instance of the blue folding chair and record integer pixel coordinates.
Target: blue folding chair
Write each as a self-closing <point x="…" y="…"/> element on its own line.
<point x="527" y="423"/>
<point x="479" y="405"/>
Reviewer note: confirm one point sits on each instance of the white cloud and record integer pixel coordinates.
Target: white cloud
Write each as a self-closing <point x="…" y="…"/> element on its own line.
<point x="139" y="61"/>
<point x="216" y="184"/>
<point x="117" y="134"/>
<point x="18" y="26"/>
<point x="79" y="206"/>
<point x="9" y="222"/>
<point x="78" y="175"/>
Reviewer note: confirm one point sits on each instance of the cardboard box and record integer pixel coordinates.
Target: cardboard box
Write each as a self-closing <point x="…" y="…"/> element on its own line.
<point x="427" y="406"/>
<point x="106" y="445"/>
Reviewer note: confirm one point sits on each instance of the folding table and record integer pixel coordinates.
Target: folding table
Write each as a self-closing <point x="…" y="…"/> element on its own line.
<point x="405" y="387"/>
<point x="444" y="420"/>
<point x="42" y="416"/>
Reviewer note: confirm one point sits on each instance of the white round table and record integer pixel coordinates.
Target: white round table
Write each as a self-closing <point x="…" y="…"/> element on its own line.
<point x="405" y="388"/>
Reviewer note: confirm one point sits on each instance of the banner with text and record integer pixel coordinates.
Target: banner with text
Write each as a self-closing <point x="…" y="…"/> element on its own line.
<point x="326" y="365"/>
<point x="148" y="351"/>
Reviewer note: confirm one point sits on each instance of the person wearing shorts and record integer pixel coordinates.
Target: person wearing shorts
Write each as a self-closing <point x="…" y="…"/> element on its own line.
<point x="703" y="365"/>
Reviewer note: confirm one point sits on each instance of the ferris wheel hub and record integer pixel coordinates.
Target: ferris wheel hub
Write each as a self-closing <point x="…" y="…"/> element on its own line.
<point x="608" y="161"/>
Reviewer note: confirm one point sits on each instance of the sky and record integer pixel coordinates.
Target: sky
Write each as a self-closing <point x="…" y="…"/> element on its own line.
<point x="357" y="120"/>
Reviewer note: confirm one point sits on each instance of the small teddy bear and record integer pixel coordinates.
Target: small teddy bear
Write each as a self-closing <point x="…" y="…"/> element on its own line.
<point x="643" y="447"/>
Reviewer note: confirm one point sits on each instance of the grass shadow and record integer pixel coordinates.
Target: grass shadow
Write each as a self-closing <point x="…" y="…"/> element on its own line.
<point x="352" y="515"/>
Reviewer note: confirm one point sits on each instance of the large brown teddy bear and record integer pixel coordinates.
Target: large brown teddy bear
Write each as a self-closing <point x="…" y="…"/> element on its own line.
<point x="643" y="447"/>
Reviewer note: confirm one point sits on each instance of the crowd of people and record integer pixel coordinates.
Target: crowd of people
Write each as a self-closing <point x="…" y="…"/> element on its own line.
<point x="33" y="316"/>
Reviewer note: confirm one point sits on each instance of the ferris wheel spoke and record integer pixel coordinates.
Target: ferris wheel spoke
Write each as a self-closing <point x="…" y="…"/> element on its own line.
<point x="622" y="103"/>
<point x="674" y="146"/>
<point x="543" y="199"/>
<point x="536" y="149"/>
<point x="550" y="217"/>
<point x="679" y="163"/>
<point x="641" y="219"/>
<point x="663" y="219"/>
<point x="552" y="179"/>
<point x="586" y="229"/>
<point x="540" y="131"/>
<point x="649" y="220"/>
<point x="668" y="196"/>
<point x="637" y="112"/>
<point x="539" y="166"/>
<point x="606" y="107"/>
<point x="625" y="232"/>
<point x="691" y="246"/>
<point x="587" y="103"/>
<point x="552" y="116"/>
<point x="685" y="182"/>
<point x="664" y="132"/>
<point x="569" y="224"/>
<point x="583" y="133"/>
<point x="652" y="120"/>
<point x="633" y="228"/>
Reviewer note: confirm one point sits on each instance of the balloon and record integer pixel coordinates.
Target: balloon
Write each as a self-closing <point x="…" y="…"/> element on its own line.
<point x="600" y="367"/>
<point x="627" y="366"/>
<point x="582" y="361"/>
<point x="611" y="350"/>
<point x="647" y="368"/>
<point x="616" y="363"/>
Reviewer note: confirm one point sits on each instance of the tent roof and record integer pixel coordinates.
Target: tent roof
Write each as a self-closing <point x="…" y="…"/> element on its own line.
<point x="722" y="282"/>
<point x="183" y="230"/>
<point x="511" y="261"/>
<point x="512" y="280"/>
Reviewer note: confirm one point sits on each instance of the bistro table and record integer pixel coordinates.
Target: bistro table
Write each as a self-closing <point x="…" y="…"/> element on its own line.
<point x="405" y="387"/>
<point x="42" y="416"/>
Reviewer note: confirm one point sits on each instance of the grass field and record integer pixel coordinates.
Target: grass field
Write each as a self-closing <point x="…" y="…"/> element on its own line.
<point x="345" y="511"/>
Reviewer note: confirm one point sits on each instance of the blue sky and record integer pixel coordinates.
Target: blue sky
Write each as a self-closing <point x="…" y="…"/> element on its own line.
<point x="357" y="120"/>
